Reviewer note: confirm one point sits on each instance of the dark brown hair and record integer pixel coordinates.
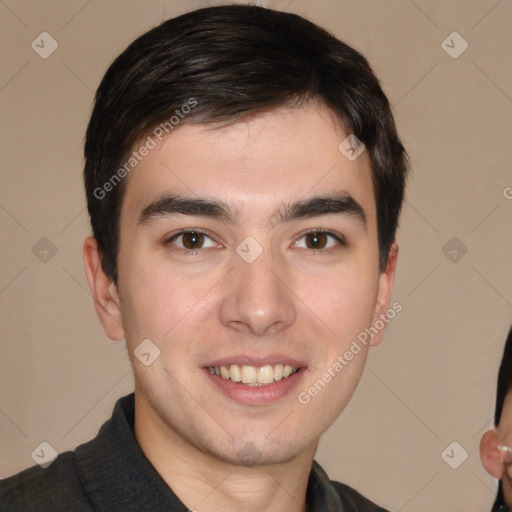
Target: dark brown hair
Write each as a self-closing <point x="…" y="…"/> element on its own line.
<point x="221" y="64"/>
<point x="504" y="378"/>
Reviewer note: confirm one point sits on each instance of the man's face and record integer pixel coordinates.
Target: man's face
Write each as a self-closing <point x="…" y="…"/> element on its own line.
<point x="250" y="287"/>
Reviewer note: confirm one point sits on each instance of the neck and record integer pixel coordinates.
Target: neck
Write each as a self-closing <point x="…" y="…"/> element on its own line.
<point x="204" y="482"/>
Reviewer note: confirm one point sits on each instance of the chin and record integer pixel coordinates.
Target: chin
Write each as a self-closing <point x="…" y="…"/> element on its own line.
<point x="259" y="452"/>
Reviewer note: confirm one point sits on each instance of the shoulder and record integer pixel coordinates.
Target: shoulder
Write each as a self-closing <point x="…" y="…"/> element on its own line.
<point x="56" y="489"/>
<point x="353" y="501"/>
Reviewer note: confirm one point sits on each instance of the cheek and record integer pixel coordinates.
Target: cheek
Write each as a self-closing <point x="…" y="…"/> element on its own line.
<point x="153" y="302"/>
<point x="345" y="299"/>
<point x="159" y="303"/>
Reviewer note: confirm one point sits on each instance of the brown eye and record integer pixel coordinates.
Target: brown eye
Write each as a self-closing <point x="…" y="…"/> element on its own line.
<point x="192" y="240"/>
<point x="320" y="241"/>
<point x="316" y="240"/>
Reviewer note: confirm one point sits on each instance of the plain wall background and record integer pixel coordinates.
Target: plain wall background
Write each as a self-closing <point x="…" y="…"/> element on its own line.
<point x="431" y="382"/>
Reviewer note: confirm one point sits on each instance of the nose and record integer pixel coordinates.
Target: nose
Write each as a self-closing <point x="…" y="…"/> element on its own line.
<point x="258" y="299"/>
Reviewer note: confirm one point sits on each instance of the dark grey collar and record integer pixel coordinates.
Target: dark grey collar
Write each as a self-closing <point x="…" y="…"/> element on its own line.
<point x="499" y="504"/>
<point x="118" y="475"/>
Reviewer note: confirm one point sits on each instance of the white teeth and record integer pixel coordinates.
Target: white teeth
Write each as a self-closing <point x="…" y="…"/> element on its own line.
<point x="252" y="375"/>
<point x="248" y="374"/>
<point x="287" y="370"/>
<point x="265" y="375"/>
<point x="235" y="373"/>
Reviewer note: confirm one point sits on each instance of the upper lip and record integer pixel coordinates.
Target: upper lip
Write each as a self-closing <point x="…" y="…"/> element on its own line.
<point x="244" y="360"/>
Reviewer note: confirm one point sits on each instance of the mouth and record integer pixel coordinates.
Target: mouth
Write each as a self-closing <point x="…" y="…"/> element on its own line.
<point x="253" y="375"/>
<point x="255" y="382"/>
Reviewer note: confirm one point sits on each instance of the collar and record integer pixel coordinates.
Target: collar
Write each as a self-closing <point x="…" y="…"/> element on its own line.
<point x="118" y="476"/>
<point x="321" y="495"/>
<point x="115" y="471"/>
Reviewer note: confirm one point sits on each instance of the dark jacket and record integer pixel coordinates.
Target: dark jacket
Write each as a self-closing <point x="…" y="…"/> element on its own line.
<point x="499" y="504"/>
<point x="111" y="474"/>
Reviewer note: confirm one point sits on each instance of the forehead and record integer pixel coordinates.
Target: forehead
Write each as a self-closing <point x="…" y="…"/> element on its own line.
<point x="254" y="164"/>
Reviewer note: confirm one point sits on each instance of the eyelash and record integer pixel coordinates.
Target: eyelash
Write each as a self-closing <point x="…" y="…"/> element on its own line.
<point x="191" y="252"/>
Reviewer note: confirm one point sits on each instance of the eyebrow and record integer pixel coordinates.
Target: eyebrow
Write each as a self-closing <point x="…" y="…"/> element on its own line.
<point x="306" y="208"/>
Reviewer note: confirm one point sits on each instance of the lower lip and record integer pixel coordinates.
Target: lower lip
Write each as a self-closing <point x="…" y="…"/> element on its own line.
<point x="257" y="395"/>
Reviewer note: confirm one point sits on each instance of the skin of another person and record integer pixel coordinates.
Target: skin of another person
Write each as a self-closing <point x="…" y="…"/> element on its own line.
<point x="496" y="461"/>
<point x="302" y="301"/>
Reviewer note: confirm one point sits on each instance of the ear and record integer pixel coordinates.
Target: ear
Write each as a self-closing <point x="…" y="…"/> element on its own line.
<point x="386" y="280"/>
<point x="492" y="459"/>
<point x="104" y="291"/>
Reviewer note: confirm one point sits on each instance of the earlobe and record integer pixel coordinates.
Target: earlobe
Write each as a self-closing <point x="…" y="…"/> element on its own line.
<point x="104" y="291"/>
<point x="492" y="458"/>
<point x="386" y="280"/>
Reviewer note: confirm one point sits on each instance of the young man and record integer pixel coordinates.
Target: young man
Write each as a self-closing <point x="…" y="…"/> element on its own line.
<point x="496" y="444"/>
<point x="244" y="180"/>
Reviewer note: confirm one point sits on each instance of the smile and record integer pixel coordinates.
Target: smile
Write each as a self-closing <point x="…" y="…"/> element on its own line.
<point x="253" y="375"/>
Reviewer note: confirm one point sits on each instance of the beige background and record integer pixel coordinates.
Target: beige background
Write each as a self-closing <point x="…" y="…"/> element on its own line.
<point x="430" y="383"/>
